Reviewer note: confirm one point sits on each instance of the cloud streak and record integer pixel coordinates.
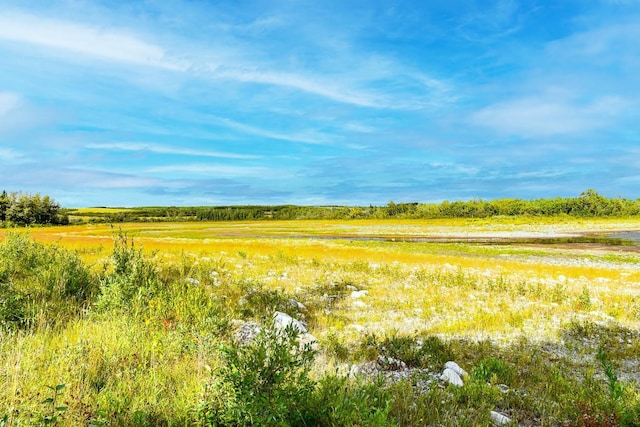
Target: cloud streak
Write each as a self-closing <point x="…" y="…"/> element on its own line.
<point x="543" y="117"/>
<point x="83" y="39"/>
<point x="218" y="171"/>
<point x="161" y="149"/>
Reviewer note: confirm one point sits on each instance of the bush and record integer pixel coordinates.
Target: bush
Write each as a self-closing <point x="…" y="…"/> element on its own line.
<point x="133" y="281"/>
<point x="338" y="402"/>
<point x="493" y="371"/>
<point x="41" y="283"/>
<point x="263" y="383"/>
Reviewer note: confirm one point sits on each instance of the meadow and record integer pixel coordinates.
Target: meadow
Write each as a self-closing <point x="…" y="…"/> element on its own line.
<point x="136" y="324"/>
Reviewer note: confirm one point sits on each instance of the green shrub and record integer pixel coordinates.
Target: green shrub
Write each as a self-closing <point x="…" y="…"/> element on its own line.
<point x="133" y="281"/>
<point x="258" y="302"/>
<point x="340" y="402"/>
<point x="493" y="371"/>
<point x="41" y="283"/>
<point x="13" y="306"/>
<point x="263" y="383"/>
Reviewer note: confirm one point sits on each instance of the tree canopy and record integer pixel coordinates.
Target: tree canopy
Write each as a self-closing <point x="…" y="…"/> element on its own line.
<point x="27" y="209"/>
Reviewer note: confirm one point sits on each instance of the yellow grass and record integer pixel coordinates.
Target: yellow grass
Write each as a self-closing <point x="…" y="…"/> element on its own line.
<point x="497" y="291"/>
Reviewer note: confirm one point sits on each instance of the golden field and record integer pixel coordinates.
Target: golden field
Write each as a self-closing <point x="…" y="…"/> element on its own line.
<point x="463" y="288"/>
<point x="517" y="314"/>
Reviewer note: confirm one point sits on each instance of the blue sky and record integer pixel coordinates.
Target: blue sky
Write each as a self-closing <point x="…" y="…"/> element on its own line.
<point x="187" y="102"/>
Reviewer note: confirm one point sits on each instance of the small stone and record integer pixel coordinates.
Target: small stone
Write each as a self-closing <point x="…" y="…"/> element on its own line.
<point x="297" y="304"/>
<point x="358" y="294"/>
<point x="450" y="376"/>
<point x="498" y="419"/>
<point x="456" y="368"/>
<point x="282" y="320"/>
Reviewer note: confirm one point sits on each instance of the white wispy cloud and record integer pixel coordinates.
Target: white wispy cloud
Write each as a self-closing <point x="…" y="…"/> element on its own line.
<point x="309" y="137"/>
<point x="613" y="42"/>
<point x="493" y="21"/>
<point x="303" y="83"/>
<point x="10" y="155"/>
<point x="355" y="84"/>
<point x="547" y="116"/>
<point x="93" y="41"/>
<point x="162" y="149"/>
<point x="221" y="170"/>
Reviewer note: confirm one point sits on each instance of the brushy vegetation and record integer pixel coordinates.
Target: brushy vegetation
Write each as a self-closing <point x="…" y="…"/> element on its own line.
<point x="589" y="204"/>
<point x="142" y="338"/>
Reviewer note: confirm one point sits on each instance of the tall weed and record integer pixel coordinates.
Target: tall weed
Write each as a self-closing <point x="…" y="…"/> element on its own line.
<point x="132" y="281"/>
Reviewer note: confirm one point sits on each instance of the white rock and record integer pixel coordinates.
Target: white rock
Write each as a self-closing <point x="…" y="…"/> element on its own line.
<point x="450" y="376"/>
<point x="307" y="338"/>
<point x="498" y="419"/>
<point x="456" y="368"/>
<point x="358" y="294"/>
<point x="358" y="304"/>
<point x="282" y="320"/>
<point x="297" y="304"/>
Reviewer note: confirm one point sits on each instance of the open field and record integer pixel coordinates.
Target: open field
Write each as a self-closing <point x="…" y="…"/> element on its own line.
<point x="498" y="282"/>
<point x="360" y="284"/>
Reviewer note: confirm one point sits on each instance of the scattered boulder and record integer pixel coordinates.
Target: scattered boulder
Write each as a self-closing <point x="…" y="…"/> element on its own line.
<point x="282" y="320"/>
<point x="498" y="419"/>
<point x="451" y="377"/>
<point x="297" y="304"/>
<point x="358" y="294"/>
<point x="456" y="368"/>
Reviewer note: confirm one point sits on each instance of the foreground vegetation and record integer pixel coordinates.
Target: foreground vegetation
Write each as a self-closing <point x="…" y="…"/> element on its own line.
<point x="140" y="326"/>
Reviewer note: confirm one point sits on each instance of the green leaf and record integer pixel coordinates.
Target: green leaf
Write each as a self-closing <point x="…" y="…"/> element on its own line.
<point x="48" y="400"/>
<point x="60" y="387"/>
<point x="61" y="408"/>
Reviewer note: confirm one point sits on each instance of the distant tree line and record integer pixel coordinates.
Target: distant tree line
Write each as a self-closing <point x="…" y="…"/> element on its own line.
<point x="26" y="209"/>
<point x="588" y="204"/>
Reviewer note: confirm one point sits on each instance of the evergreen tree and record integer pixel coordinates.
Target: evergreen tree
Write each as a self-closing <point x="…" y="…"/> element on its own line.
<point x="4" y="205"/>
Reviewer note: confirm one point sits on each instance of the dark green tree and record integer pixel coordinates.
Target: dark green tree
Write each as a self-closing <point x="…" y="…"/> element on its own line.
<point x="4" y="205"/>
